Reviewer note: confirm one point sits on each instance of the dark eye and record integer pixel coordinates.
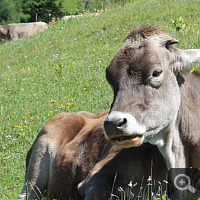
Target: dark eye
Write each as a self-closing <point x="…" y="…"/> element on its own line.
<point x="156" y="73"/>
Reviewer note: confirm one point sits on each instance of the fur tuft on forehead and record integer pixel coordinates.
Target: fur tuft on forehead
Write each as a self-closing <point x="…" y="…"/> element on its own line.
<point x="140" y="36"/>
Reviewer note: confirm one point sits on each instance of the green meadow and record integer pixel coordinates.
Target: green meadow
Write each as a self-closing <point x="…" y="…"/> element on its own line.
<point x="63" y="70"/>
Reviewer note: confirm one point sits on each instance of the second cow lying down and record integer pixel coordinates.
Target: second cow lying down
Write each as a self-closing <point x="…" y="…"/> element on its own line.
<point x="71" y="146"/>
<point x="16" y="30"/>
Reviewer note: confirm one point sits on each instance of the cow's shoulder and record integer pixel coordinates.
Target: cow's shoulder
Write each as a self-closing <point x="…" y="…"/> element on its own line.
<point x="61" y="128"/>
<point x="62" y="125"/>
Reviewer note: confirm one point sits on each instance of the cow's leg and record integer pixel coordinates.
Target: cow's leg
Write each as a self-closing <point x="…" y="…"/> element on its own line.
<point x="37" y="172"/>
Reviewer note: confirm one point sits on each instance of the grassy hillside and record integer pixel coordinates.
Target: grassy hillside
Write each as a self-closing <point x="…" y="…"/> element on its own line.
<point x="63" y="70"/>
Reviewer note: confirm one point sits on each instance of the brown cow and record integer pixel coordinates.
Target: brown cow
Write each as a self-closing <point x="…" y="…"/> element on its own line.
<point x="153" y="100"/>
<point x="13" y="31"/>
<point x="71" y="146"/>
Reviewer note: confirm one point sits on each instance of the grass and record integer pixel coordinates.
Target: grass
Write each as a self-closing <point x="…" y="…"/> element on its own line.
<point x="63" y="70"/>
<point x="77" y="6"/>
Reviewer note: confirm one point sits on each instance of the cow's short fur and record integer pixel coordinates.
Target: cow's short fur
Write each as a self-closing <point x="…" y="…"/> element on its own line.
<point x="16" y="30"/>
<point x="72" y="147"/>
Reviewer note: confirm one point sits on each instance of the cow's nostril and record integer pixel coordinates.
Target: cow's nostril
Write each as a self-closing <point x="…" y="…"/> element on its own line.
<point x="122" y="122"/>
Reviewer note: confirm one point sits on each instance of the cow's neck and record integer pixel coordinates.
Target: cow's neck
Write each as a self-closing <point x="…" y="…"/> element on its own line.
<point x="189" y="126"/>
<point x="184" y="137"/>
<point x="172" y="149"/>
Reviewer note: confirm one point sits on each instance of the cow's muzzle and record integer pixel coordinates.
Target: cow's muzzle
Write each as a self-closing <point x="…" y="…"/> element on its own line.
<point x="123" y="129"/>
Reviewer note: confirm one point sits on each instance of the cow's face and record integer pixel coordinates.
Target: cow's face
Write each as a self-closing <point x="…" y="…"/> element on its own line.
<point x="3" y="30"/>
<point x="144" y="77"/>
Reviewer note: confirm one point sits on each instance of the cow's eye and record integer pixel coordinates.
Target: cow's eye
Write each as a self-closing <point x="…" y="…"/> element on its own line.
<point x="156" y="73"/>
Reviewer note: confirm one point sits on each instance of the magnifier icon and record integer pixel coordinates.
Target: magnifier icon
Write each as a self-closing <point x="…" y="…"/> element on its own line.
<point x="184" y="182"/>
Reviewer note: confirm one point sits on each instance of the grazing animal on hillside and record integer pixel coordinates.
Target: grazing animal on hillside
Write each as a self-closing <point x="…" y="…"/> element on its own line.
<point x="16" y="30"/>
<point x="153" y="100"/>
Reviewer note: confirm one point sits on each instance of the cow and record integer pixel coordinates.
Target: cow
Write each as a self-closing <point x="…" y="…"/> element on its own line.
<point x="71" y="159"/>
<point x="16" y="30"/>
<point x="156" y="100"/>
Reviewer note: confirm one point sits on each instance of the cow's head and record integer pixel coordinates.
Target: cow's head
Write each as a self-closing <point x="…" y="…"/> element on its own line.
<point x="4" y="30"/>
<point x="146" y="81"/>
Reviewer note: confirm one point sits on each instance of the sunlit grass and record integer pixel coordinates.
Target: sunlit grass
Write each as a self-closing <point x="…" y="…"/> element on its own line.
<point x="32" y="89"/>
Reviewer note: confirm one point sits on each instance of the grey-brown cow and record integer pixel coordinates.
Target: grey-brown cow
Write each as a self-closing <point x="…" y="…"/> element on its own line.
<point x="13" y="31"/>
<point x="153" y="100"/>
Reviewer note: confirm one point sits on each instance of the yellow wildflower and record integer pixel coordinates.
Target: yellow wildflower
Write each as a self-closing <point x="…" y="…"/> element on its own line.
<point x="14" y="112"/>
<point x="191" y="69"/>
<point x="22" y="89"/>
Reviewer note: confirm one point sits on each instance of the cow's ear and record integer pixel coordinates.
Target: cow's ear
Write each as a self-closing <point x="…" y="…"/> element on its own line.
<point x="184" y="59"/>
<point x="171" y="42"/>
